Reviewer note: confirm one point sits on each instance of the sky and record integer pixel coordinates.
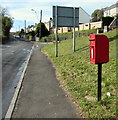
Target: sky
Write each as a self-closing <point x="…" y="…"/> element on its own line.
<point x="20" y="10"/>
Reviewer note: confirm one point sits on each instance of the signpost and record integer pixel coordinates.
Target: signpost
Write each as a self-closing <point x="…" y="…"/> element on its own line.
<point x="65" y="17"/>
<point x="56" y="22"/>
<point x="74" y="15"/>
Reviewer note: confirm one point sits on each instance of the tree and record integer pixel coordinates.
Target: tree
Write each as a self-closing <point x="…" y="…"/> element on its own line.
<point x="41" y="29"/>
<point x="7" y="22"/>
<point x="6" y="25"/>
<point x="3" y="11"/>
<point x="22" y="33"/>
<point x="107" y="20"/>
<point x="97" y="15"/>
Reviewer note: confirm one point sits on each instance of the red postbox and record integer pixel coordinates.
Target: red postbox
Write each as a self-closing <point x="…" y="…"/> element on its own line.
<point x="99" y="49"/>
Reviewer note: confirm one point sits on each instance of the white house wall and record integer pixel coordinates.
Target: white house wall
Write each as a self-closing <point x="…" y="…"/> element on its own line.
<point x="111" y="12"/>
<point x="114" y="11"/>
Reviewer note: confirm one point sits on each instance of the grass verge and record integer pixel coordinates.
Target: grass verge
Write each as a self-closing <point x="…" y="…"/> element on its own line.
<point x="80" y="76"/>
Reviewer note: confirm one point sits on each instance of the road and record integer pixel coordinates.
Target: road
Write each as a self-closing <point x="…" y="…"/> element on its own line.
<point x="14" y="54"/>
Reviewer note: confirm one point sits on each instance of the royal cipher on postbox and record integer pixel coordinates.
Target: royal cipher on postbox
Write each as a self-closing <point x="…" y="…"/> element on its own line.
<point x="99" y="49"/>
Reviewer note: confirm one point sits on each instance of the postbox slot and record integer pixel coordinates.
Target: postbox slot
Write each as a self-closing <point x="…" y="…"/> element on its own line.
<point x="92" y="40"/>
<point x="92" y="52"/>
<point x="92" y="45"/>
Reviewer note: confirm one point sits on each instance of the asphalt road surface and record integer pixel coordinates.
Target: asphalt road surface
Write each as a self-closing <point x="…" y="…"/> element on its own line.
<point x="14" y="54"/>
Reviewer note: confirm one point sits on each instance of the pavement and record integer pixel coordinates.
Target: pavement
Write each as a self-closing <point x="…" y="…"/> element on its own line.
<point x="41" y="95"/>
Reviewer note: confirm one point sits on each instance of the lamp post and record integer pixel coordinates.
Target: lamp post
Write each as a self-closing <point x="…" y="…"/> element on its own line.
<point x="39" y="21"/>
<point x="35" y="13"/>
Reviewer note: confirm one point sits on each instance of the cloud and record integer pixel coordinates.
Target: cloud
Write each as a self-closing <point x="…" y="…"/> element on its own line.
<point x="21" y="9"/>
<point x="54" y="1"/>
<point x="27" y="14"/>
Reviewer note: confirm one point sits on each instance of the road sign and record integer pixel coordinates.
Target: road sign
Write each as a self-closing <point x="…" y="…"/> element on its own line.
<point x="65" y="16"/>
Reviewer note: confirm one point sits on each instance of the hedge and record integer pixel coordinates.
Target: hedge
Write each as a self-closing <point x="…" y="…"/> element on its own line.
<point x="68" y="35"/>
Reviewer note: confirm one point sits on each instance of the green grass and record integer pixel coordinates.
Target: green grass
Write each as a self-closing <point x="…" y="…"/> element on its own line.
<point x="80" y="76"/>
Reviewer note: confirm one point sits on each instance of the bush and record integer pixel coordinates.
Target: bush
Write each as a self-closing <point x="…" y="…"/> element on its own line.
<point x="107" y="20"/>
<point x="41" y="29"/>
<point x="30" y="37"/>
<point x="44" y="39"/>
<point x="4" y="39"/>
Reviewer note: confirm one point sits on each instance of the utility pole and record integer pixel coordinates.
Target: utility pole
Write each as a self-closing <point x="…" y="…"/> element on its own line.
<point x="19" y="28"/>
<point x="25" y="28"/>
<point x="40" y="23"/>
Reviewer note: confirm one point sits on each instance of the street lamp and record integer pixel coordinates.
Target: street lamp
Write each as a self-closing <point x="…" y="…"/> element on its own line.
<point x="36" y="14"/>
<point x="39" y="21"/>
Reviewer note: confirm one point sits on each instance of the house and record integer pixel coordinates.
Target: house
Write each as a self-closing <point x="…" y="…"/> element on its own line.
<point x="62" y="29"/>
<point x="83" y="18"/>
<point x="48" y="24"/>
<point x="111" y="11"/>
<point x="92" y="25"/>
<point x="30" y="28"/>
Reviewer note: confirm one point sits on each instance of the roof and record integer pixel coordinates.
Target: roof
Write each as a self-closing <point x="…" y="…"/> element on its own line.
<point x="111" y="7"/>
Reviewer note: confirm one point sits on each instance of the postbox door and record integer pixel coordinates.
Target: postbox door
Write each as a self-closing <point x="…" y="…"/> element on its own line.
<point x="92" y="48"/>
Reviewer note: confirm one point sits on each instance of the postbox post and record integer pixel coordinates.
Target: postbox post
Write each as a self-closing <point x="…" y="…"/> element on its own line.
<point x="99" y="81"/>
